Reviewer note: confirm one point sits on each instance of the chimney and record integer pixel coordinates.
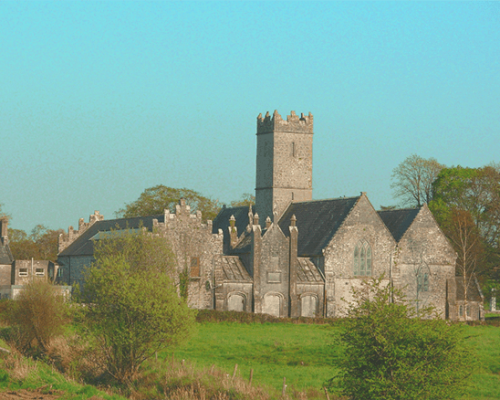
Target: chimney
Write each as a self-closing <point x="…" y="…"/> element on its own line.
<point x="4" y="230"/>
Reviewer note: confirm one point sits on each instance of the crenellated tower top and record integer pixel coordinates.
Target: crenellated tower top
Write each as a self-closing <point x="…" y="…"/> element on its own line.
<point x="284" y="162"/>
<point x="293" y="123"/>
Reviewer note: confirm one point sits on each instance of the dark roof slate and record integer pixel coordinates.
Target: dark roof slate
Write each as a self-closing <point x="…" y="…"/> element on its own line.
<point x="241" y="223"/>
<point x="5" y="255"/>
<point x="307" y="271"/>
<point x="317" y="221"/>
<point x="233" y="270"/>
<point x="84" y="245"/>
<point x="398" y="221"/>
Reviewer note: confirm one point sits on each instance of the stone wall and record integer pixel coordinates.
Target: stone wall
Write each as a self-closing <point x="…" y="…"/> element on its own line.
<point x="363" y="224"/>
<point x="284" y="162"/>
<point x="270" y="265"/>
<point x="424" y="250"/>
<point x="72" y="268"/>
<point x="196" y="249"/>
<point x="25" y="271"/>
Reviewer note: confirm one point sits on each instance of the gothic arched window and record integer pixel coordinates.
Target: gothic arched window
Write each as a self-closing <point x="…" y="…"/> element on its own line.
<point x="363" y="259"/>
<point x="423" y="278"/>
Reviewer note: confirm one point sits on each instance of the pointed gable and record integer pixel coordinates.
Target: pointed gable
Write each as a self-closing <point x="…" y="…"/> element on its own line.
<point x="398" y="221"/>
<point x="317" y="222"/>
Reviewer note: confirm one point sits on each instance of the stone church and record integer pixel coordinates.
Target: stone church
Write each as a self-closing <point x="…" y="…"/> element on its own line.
<point x="290" y="255"/>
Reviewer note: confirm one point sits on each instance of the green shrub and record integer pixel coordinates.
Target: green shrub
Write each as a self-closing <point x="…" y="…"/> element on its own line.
<point x="132" y="307"/>
<point x="38" y="315"/>
<point x="391" y="354"/>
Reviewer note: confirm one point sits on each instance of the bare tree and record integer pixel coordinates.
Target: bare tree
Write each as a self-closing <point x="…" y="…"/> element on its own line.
<point x="465" y="237"/>
<point x="412" y="180"/>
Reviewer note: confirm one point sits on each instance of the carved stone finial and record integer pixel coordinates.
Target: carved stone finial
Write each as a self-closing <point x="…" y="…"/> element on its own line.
<point x="268" y="222"/>
<point x="293" y="220"/>
<point x="256" y="219"/>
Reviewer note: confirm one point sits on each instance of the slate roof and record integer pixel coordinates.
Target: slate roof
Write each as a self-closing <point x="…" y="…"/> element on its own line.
<point x="317" y="221"/>
<point x="307" y="272"/>
<point x="241" y="223"/>
<point x="234" y="270"/>
<point x="222" y="219"/>
<point x="398" y="221"/>
<point x="84" y="245"/>
<point x="5" y="255"/>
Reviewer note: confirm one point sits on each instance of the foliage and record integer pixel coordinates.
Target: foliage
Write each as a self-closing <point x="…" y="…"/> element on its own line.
<point x="37" y="316"/>
<point x="41" y="244"/>
<point x="246" y="199"/>
<point x="389" y="353"/>
<point x="132" y="307"/>
<point x="154" y="200"/>
<point x="412" y="180"/>
<point x="476" y="192"/>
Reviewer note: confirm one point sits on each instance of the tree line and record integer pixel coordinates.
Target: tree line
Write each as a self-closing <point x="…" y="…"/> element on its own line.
<point x="466" y="204"/>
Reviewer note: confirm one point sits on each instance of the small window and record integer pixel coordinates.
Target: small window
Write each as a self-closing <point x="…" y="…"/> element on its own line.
<point x="195" y="267"/>
<point x="468" y="310"/>
<point x="23" y="271"/>
<point x="293" y="149"/>
<point x="363" y="259"/>
<point x="39" y="271"/>
<point x="60" y="272"/>
<point x="461" y="311"/>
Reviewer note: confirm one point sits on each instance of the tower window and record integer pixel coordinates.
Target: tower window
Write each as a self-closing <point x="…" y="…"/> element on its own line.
<point x="293" y="149"/>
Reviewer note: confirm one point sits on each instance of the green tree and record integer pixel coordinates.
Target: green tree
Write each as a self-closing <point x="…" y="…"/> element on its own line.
<point x="412" y="180"/>
<point x="41" y="244"/>
<point x="246" y="199"/>
<point x="132" y="306"/>
<point x="391" y="354"/>
<point x="154" y="200"/>
<point x="476" y="192"/>
<point x="38" y="314"/>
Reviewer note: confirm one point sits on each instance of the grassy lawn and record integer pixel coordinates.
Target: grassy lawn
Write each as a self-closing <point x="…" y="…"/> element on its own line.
<point x="306" y="355"/>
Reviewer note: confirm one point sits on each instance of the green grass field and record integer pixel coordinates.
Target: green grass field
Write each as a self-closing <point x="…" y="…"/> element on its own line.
<point x="306" y="355"/>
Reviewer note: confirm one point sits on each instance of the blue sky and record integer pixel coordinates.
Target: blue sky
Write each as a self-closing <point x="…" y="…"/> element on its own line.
<point x="100" y="100"/>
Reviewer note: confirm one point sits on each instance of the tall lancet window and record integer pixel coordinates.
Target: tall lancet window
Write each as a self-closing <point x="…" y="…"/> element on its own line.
<point x="363" y="259"/>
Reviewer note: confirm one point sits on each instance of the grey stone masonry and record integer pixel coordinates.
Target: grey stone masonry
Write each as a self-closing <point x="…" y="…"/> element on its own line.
<point x="284" y="162"/>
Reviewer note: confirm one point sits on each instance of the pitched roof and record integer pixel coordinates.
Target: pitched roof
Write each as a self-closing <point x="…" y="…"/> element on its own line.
<point x="241" y="223"/>
<point x="307" y="271"/>
<point x="398" y="221"/>
<point x="84" y="244"/>
<point x="5" y="254"/>
<point x="233" y="270"/>
<point x="317" y="221"/>
<point x="221" y="221"/>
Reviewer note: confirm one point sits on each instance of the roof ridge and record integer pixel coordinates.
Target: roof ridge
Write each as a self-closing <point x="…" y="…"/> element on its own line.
<point x="400" y="209"/>
<point x="329" y="199"/>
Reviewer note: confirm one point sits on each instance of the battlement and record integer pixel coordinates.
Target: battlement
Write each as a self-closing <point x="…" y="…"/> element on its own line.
<point x="65" y="239"/>
<point x="293" y="123"/>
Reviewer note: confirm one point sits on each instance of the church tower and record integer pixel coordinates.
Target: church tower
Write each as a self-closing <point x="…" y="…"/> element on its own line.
<point x="284" y="162"/>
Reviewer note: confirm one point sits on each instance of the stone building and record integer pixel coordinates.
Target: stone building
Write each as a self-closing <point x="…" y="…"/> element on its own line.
<point x="290" y="255"/>
<point x="15" y="274"/>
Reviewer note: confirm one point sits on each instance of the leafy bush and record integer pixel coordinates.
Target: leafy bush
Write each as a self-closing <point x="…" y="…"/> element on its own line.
<point x="38" y="315"/>
<point x="132" y="307"/>
<point x="389" y="353"/>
